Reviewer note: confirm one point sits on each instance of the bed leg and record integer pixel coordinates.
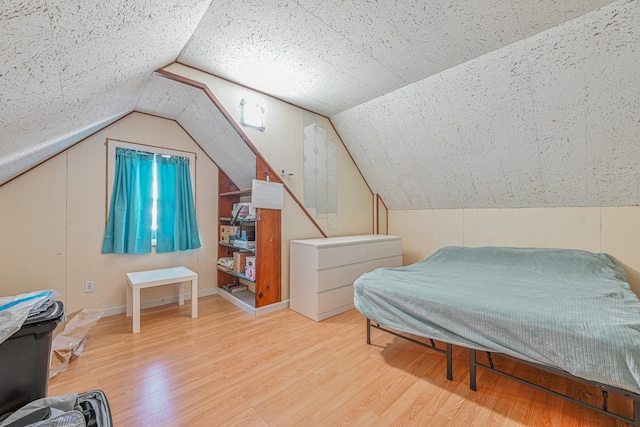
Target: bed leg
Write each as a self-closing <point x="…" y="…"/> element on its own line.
<point x="368" y="331"/>
<point x="490" y="359"/>
<point x="472" y="370"/>
<point x="636" y="413"/>
<point x="449" y="362"/>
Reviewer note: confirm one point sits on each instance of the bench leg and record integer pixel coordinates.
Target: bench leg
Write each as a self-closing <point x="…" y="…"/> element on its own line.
<point x="129" y="299"/>
<point x="181" y="293"/>
<point x="136" y="310"/>
<point x="194" y="298"/>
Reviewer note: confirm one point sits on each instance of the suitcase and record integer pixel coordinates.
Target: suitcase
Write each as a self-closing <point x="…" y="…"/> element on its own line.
<point x="95" y="408"/>
<point x="92" y="410"/>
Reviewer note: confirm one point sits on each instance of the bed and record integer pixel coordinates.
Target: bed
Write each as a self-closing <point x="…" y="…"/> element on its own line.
<point x="567" y="310"/>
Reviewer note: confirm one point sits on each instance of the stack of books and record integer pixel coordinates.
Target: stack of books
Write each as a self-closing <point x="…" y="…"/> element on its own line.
<point x="235" y="287"/>
<point x="249" y="244"/>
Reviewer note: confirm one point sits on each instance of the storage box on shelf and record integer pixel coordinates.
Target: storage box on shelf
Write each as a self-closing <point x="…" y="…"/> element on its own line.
<point x="240" y="261"/>
<point x="251" y="262"/>
<point x="236" y="242"/>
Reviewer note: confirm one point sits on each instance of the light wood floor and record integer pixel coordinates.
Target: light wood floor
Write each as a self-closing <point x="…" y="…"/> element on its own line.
<point x="282" y="369"/>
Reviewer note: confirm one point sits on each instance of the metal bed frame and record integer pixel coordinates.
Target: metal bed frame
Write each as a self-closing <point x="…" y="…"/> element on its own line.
<point x="604" y="388"/>
<point x="474" y="364"/>
<point x="431" y="346"/>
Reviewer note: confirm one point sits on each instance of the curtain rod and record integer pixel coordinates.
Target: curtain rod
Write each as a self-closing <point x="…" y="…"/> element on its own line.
<point x="153" y="154"/>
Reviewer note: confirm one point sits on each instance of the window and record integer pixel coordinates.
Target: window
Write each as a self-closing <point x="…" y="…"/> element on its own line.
<point x="150" y="199"/>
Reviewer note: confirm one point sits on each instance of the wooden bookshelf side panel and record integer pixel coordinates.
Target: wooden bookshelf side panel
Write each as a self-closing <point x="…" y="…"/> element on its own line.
<point x="268" y="246"/>
<point x="225" y="206"/>
<point x="268" y="265"/>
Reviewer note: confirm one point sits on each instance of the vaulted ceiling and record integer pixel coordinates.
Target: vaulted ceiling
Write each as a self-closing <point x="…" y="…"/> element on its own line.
<point x="443" y="104"/>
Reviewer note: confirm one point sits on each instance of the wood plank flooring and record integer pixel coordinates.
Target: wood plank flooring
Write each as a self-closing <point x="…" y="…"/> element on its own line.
<point x="227" y="368"/>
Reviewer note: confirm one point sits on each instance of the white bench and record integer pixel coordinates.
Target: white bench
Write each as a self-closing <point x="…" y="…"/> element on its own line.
<point x="165" y="276"/>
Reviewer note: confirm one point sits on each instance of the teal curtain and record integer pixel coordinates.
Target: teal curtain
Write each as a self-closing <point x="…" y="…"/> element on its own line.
<point x="177" y="227"/>
<point x="129" y="225"/>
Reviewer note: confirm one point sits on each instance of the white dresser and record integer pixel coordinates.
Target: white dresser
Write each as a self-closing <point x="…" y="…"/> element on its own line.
<point x="322" y="271"/>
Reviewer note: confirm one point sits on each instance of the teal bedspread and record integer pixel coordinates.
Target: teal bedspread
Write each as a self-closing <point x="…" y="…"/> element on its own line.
<point x="569" y="309"/>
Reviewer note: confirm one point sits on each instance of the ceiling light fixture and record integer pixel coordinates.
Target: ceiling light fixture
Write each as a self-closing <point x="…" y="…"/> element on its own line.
<point x="252" y="115"/>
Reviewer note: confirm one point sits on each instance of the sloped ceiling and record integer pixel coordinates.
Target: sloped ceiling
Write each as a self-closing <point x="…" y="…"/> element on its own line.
<point x="199" y="116"/>
<point x="68" y="68"/>
<point x="499" y="103"/>
<point x="331" y="55"/>
<point x="550" y="121"/>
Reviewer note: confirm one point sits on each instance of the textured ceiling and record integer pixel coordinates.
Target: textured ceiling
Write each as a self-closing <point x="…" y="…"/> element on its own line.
<point x="492" y="103"/>
<point x="550" y="121"/>
<point x="331" y="55"/>
<point x="198" y="115"/>
<point x="68" y="68"/>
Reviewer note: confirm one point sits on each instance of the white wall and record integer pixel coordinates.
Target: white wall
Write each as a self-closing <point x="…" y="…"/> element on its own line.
<point x="612" y="230"/>
<point x="52" y="220"/>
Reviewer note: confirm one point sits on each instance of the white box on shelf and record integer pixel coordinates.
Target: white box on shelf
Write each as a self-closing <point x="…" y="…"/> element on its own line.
<point x="251" y="262"/>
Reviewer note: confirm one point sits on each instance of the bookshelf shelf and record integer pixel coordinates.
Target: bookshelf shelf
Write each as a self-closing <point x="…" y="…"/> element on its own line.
<point x="246" y="300"/>
<point x="245" y="192"/>
<point x="252" y="250"/>
<point x="235" y="274"/>
<point x="239" y="220"/>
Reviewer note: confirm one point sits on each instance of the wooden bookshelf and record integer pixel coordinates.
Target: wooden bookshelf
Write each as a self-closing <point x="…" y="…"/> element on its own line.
<point x="268" y="242"/>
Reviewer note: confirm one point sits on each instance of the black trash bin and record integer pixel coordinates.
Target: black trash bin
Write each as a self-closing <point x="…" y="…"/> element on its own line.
<point x="25" y="358"/>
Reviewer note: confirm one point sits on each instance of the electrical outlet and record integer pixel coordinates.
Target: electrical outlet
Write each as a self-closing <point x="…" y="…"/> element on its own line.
<point x="89" y="286"/>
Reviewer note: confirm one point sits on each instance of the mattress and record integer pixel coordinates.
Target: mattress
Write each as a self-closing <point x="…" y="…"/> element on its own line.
<point x="569" y="309"/>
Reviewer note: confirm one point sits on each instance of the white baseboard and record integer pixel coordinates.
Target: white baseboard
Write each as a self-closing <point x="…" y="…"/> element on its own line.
<point x="251" y="310"/>
<point x="272" y="307"/>
<point x="157" y="302"/>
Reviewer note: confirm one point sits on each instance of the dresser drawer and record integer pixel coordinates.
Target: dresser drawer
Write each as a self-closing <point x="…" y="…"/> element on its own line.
<point x="337" y="277"/>
<point x="393" y="261"/>
<point x="341" y="255"/>
<point x="384" y="249"/>
<point x="335" y="298"/>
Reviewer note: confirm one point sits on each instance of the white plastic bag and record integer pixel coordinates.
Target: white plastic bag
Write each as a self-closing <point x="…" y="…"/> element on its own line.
<point x="15" y="310"/>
